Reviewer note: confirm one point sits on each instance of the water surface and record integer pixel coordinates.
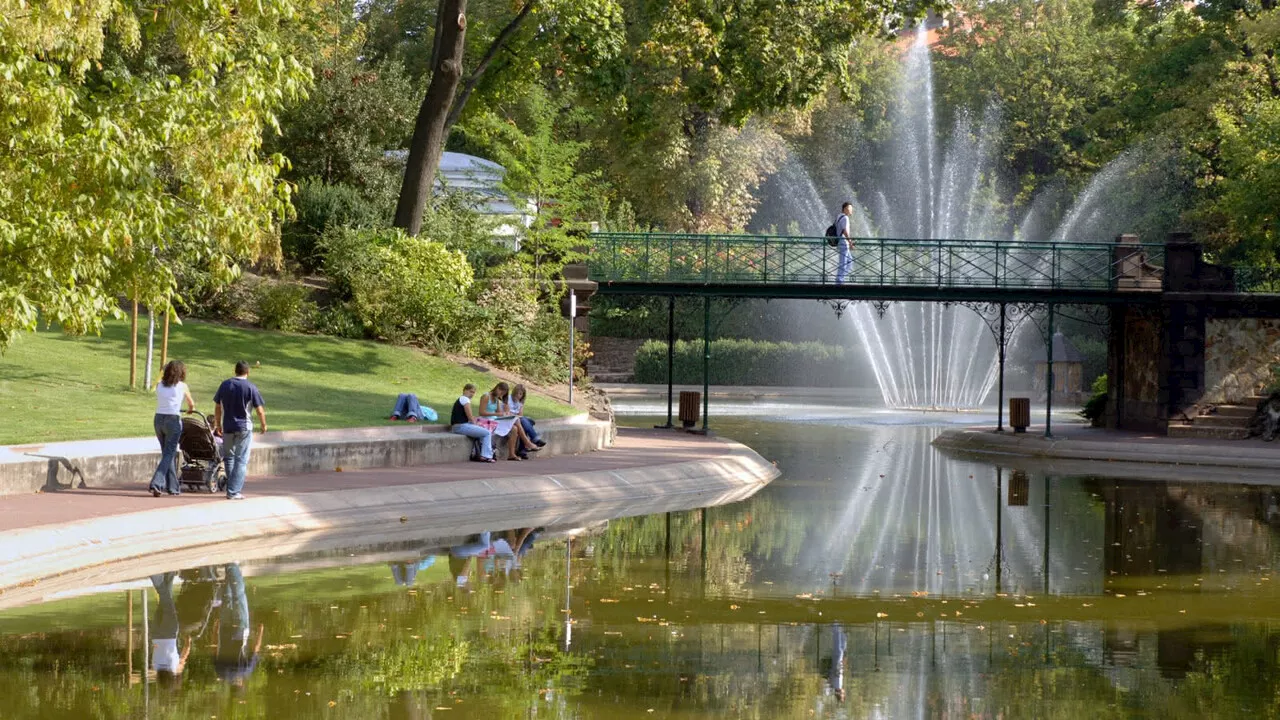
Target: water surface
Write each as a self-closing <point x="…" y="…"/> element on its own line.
<point x="875" y="578"/>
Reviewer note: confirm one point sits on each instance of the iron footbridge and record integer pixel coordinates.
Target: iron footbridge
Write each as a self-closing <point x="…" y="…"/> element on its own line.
<point x="773" y="266"/>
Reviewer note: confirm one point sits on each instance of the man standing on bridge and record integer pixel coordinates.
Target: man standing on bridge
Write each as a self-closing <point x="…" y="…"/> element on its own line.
<point x="845" y="243"/>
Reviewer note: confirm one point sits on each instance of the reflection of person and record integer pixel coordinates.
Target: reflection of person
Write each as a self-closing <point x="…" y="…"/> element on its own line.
<point x="233" y="660"/>
<point x="231" y="418"/>
<point x="404" y="573"/>
<point x="167" y="661"/>
<point x="835" y="677"/>
<point x="170" y="394"/>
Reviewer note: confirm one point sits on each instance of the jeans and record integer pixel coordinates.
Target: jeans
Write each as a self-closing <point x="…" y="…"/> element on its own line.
<point x="845" y="261"/>
<point x="529" y="432"/>
<point x="407" y="406"/>
<point x="166" y="626"/>
<point x="168" y="432"/>
<point x="475" y="432"/>
<point x="235" y="453"/>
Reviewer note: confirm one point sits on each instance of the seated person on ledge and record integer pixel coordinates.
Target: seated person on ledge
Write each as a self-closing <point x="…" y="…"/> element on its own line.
<point x="493" y="406"/>
<point x="515" y="405"/>
<point x="463" y="422"/>
<point x="407" y="407"/>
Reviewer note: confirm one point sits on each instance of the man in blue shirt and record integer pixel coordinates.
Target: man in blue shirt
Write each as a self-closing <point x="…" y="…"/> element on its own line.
<point x="231" y="420"/>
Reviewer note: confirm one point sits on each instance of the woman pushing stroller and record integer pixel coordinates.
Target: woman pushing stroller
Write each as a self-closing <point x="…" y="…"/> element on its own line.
<point x="170" y="394"/>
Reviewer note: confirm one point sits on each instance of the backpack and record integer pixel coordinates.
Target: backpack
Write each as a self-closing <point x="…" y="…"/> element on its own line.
<point x="833" y="239"/>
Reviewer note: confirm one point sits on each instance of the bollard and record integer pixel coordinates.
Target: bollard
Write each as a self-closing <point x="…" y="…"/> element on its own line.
<point x="689" y="408"/>
<point x="1019" y="413"/>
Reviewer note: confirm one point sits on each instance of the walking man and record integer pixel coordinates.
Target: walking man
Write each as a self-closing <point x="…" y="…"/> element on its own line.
<point x="845" y="242"/>
<point x="231" y="420"/>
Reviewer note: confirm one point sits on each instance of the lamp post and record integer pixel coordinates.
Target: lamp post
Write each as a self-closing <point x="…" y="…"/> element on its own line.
<point x="573" y="313"/>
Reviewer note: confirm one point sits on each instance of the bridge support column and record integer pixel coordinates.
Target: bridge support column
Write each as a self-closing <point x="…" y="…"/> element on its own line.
<point x="671" y="358"/>
<point x="1048" y="396"/>
<point x="1000" y="398"/>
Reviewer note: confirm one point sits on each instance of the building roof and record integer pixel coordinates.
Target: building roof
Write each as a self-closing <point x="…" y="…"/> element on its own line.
<point x="1063" y="351"/>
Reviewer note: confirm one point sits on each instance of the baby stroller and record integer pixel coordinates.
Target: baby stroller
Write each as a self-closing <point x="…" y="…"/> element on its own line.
<point x="201" y="454"/>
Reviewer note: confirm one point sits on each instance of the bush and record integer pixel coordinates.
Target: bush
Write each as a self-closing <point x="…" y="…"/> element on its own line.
<point x="320" y="205"/>
<point x="1096" y="406"/>
<point x="747" y="362"/>
<point x="339" y="321"/>
<point x="403" y="289"/>
<point x="284" y="306"/>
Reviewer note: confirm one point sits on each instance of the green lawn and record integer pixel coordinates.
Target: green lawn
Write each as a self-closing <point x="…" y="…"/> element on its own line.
<point x="57" y="387"/>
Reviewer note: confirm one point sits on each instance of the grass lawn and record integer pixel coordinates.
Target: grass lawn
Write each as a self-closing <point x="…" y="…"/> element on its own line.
<point x="57" y="387"/>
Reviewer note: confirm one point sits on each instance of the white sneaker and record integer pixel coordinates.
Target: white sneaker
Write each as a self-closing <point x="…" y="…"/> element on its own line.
<point x="237" y="496"/>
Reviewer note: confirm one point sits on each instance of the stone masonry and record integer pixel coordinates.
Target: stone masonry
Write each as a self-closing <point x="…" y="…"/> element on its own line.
<point x="1239" y="355"/>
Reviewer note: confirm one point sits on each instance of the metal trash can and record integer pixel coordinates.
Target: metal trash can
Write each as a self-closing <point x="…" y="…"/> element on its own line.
<point x="1019" y="413"/>
<point x="690" y="408"/>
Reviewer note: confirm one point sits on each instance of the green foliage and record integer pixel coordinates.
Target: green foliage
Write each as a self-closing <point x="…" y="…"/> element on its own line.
<point x="356" y="112"/>
<point x="339" y="321"/>
<point x="284" y="306"/>
<point x="404" y="289"/>
<point x="1049" y="68"/>
<point x="317" y="205"/>
<point x="1096" y="405"/>
<point x="543" y="169"/>
<point x="746" y="362"/>
<point x="131" y="130"/>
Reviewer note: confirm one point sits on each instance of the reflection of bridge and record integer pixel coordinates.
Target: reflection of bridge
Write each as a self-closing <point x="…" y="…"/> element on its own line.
<point x="945" y="270"/>
<point x="1160" y="295"/>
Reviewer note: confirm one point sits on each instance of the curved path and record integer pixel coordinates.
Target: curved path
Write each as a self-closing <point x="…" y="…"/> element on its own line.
<point x="50" y="535"/>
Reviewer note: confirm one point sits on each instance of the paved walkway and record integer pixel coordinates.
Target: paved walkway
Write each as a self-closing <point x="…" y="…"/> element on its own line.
<point x="632" y="449"/>
<point x="1076" y="442"/>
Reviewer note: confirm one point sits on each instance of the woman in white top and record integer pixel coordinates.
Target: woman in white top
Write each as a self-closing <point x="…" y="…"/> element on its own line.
<point x="170" y="394"/>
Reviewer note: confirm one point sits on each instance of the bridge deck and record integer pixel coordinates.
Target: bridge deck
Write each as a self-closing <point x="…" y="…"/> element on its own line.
<point x="777" y="266"/>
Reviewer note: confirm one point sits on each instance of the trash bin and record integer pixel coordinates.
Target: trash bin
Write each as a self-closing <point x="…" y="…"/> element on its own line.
<point x="1019" y="413"/>
<point x="690" y="408"/>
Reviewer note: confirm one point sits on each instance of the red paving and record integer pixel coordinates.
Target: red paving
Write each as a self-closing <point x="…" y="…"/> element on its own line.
<point x="633" y="448"/>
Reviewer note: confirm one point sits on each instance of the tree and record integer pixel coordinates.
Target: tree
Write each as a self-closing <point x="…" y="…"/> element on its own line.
<point x="133" y="131"/>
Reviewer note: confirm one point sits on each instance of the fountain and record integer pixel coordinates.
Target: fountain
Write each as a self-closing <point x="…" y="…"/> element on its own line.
<point x="930" y="355"/>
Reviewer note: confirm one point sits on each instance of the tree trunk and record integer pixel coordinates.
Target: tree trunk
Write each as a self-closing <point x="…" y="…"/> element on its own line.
<point x="430" y="129"/>
<point x="164" y="343"/>
<point x="133" y="347"/>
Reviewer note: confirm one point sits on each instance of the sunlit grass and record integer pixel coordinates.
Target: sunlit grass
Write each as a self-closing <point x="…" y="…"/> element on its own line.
<point x="56" y="387"/>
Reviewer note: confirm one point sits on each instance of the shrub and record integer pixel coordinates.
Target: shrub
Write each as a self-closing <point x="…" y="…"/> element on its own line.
<point x="747" y="362"/>
<point x="339" y="321"/>
<point x="404" y="289"/>
<point x="1096" y="406"/>
<point x="320" y="205"/>
<point x="284" y="306"/>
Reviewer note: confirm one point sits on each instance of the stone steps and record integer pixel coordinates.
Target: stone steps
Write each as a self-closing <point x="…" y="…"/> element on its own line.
<point x="1183" y="429"/>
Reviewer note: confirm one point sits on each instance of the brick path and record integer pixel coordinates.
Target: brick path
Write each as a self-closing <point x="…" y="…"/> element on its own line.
<point x="633" y="448"/>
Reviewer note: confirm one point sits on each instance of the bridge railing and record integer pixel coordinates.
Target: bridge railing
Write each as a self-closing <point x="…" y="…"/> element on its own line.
<point x="771" y="259"/>
<point x="1257" y="278"/>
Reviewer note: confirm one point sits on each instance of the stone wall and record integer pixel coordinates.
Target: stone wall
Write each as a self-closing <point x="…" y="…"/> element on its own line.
<point x="1239" y="354"/>
<point x="1134" y="370"/>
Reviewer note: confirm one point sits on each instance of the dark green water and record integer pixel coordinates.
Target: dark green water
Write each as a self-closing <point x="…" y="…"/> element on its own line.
<point x="865" y="582"/>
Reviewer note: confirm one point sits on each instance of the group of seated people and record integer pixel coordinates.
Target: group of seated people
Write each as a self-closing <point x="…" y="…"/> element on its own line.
<point x="500" y="413"/>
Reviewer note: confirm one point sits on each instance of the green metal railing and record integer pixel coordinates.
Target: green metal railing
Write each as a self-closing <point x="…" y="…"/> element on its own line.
<point x="1257" y="278"/>
<point x="657" y="258"/>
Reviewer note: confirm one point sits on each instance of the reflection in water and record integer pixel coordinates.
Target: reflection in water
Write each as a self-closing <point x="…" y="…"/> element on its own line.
<point x="877" y="578"/>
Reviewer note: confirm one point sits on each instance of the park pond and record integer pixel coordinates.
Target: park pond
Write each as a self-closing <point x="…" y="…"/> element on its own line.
<point x="876" y="577"/>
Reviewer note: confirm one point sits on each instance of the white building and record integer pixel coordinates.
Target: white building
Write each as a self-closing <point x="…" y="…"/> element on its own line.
<point x="482" y="180"/>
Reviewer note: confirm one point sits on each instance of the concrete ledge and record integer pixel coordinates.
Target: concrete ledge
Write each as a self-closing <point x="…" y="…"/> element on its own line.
<point x="634" y="391"/>
<point x="39" y="560"/>
<point x="129" y="462"/>
<point x="1116" y="447"/>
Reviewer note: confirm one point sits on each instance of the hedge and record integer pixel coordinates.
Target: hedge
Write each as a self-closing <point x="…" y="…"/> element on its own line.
<point x="747" y="362"/>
